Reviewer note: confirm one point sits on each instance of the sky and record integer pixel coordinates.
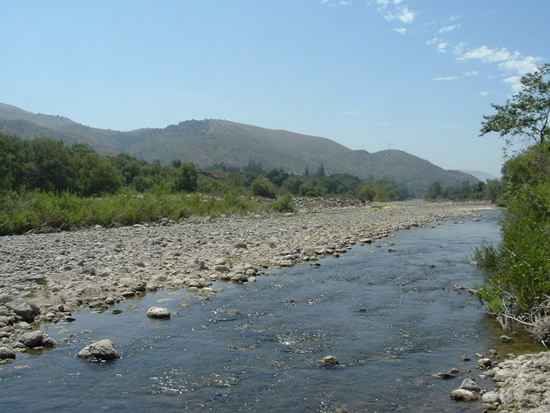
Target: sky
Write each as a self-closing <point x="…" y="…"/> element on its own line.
<point x="414" y="75"/>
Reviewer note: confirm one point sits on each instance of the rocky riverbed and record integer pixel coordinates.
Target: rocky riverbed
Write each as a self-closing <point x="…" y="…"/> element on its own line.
<point x="48" y="277"/>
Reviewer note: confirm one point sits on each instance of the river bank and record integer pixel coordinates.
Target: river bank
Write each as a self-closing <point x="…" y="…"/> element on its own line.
<point x="47" y="277"/>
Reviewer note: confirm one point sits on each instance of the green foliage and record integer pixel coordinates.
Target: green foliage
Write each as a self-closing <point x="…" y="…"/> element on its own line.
<point x="526" y="113"/>
<point x="262" y="187"/>
<point x="366" y="192"/>
<point x="285" y="204"/>
<point x="311" y="188"/>
<point x="186" y="178"/>
<point x="519" y="278"/>
<point x="277" y="176"/>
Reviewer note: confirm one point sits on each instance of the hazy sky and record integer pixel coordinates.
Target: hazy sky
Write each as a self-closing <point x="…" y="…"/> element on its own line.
<point x="415" y="75"/>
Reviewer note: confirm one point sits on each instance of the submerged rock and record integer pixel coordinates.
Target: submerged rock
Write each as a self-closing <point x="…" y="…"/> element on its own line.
<point x="99" y="351"/>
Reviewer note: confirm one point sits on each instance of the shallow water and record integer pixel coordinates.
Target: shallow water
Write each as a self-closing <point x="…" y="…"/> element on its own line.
<point x="393" y="319"/>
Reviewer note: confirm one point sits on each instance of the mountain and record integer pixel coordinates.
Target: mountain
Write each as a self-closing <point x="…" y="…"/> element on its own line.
<point x="481" y="175"/>
<point x="208" y="142"/>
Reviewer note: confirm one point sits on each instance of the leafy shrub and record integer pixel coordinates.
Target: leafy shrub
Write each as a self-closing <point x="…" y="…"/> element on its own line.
<point x="262" y="187"/>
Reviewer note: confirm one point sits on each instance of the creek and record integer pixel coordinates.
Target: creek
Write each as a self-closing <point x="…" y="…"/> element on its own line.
<point x="389" y="311"/>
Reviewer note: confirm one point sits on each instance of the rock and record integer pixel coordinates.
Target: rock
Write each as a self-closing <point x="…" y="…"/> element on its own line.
<point x="99" y="351"/>
<point x="470" y="384"/>
<point x="329" y="361"/>
<point x="505" y="339"/>
<point x="490" y="397"/>
<point x="484" y="363"/>
<point x="6" y="354"/>
<point x="37" y="338"/>
<point x="26" y="311"/>
<point x="158" y="313"/>
<point x="463" y="395"/>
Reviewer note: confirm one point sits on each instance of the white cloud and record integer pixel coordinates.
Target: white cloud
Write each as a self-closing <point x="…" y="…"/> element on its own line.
<point x="433" y="41"/>
<point x="401" y="30"/>
<point x="514" y="82"/>
<point x="403" y="14"/>
<point x="448" y="29"/>
<point x="442" y="47"/>
<point x="484" y="93"/>
<point x="393" y="10"/>
<point x="336" y="2"/>
<point x="487" y="55"/>
<point x="512" y="63"/>
<point x="445" y="79"/>
<point x="471" y="73"/>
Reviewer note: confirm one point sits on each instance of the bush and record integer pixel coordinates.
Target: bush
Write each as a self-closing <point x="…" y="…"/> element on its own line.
<point x="262" y="187"/>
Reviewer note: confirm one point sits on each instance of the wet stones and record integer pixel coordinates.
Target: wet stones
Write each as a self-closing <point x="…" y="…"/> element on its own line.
<point x="6" y="354"/>
<point x="37" y="338"/>
<point x="328" y="361"/>
<point x="102" y="350"/>
<point x="159" y="313"/>
<point x="463" y="395"/>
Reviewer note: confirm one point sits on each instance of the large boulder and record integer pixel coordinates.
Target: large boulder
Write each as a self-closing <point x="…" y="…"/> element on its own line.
<point x="37" y="338"/>
<point x="158" y="313"/>
<point x="99" y="351"/>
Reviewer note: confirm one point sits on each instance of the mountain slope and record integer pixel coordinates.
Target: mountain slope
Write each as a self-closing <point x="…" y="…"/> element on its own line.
<point x="210" y="141"/>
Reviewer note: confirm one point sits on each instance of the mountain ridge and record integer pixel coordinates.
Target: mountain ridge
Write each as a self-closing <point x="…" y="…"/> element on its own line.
<point x="211" y="141"/>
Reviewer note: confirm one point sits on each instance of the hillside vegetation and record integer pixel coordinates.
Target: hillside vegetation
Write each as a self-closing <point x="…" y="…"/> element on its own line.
<point x="45" y="184"/>
<point x="213" y="142"/>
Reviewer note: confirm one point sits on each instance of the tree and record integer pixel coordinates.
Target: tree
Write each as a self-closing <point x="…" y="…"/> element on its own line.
<point x="527" y="113"/>
<point x="186" y="179"/>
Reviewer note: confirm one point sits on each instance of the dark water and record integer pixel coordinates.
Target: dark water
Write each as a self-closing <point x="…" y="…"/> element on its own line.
<point x="393" y="319"/>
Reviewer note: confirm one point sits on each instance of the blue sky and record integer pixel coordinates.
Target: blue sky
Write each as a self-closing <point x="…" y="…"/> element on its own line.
<point x="415" y="75"/>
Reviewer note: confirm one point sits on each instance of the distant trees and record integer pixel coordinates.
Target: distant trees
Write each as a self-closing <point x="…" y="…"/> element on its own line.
<point x="47" y="165"/>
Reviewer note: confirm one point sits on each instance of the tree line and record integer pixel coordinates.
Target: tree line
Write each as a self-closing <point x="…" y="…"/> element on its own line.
<point x="517" y="289"/>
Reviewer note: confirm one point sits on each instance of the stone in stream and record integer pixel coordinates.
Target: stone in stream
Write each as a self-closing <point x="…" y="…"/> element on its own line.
<point x="6" y="354"/>
<point x="329" y="361"/>
<point x="99" y="351"/>
<point x="158" y="313"/>
<point x="463" y="395"/>
<point x="37" y="338"/>
<point x="469" y="384"/>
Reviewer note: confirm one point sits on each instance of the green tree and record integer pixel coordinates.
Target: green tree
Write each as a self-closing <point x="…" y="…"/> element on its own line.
<point x="186" y="179"/>
<point x="435" y="191"/>
<point x="366" y="192"/>
<point x="526" y="113"/>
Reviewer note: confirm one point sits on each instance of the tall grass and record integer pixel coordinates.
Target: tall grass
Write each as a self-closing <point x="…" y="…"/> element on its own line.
<point x="28" y="210"/>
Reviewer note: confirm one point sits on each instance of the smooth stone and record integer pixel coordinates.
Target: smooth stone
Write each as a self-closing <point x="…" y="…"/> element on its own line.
<point x="463" y="395"/>
<point x="99" y="350"/>
<point x="158" y="313"/>
<point x="329" y="361"/>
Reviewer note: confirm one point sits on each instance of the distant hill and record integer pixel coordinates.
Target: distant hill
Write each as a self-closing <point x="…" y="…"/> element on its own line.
<point x="208" y="142"/>
<point x="481" y="175"/>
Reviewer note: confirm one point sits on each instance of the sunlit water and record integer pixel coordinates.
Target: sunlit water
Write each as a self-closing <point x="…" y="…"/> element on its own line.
<point x="393" y="319"/>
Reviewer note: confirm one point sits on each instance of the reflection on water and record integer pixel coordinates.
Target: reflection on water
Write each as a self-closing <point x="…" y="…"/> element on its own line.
<point x="393" y="319"/>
